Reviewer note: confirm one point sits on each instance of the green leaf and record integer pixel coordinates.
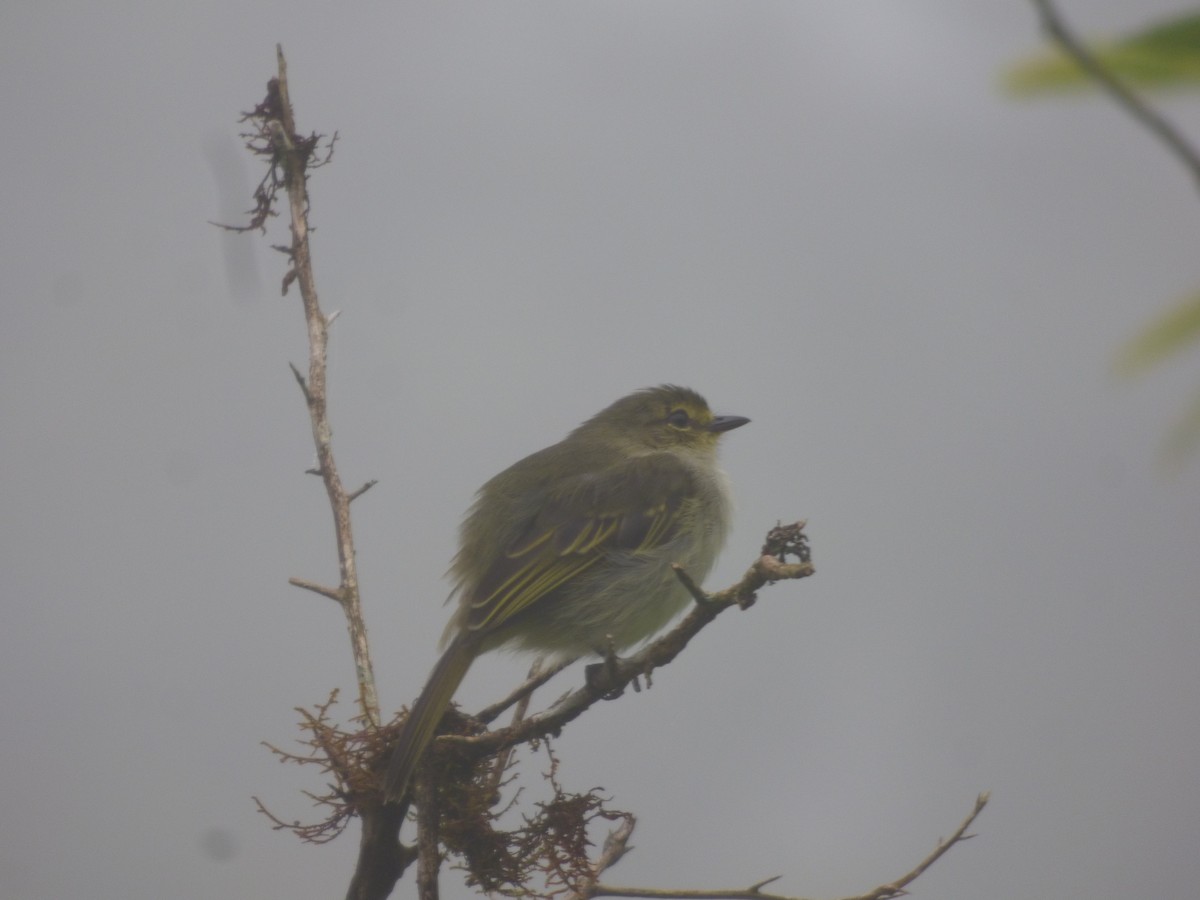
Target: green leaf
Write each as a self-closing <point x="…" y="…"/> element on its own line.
<point x="1173" y="331"/>
<point x="1165" y="55"/>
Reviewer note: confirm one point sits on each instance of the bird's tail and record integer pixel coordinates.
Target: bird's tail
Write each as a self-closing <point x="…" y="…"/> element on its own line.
<point x="423" y="718"/>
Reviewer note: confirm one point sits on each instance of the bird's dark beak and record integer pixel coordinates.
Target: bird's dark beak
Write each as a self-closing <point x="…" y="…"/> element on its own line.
<point x="726" y="423"/>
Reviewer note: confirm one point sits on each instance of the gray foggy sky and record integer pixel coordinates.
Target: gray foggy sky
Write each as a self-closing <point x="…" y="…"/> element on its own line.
<point x="824" y="216"/>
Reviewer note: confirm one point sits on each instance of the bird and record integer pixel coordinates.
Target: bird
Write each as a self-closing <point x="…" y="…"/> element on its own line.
<point x="570" y="551"/>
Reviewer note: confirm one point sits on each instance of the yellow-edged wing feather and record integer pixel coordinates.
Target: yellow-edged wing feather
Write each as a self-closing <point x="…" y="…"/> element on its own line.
<point x="632" y="507"/>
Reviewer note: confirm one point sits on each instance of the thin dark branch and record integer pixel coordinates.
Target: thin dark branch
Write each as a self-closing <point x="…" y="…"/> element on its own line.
<point x="323" y="590"/>
<point x="537" y="677"/>
<point x="896" y="888"/>
<point x="354" y="495"/>
<point x="1058" y="32"/>
<point x="692" y="588"/>
<point x="300" y="381"/>
<point x="755" y="891"/>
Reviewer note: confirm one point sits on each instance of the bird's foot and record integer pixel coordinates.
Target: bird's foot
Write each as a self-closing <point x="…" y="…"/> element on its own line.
<point x="602" y="675"/>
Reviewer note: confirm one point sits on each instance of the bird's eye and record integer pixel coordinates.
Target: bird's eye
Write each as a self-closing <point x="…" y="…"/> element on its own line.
<point x="678" y="418"/>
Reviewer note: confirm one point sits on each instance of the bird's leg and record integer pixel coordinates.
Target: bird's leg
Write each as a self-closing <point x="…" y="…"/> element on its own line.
<point x="600" y="675"/>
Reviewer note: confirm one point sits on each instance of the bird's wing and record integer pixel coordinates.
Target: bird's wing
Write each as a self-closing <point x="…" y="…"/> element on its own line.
<point x="632" y="507"/>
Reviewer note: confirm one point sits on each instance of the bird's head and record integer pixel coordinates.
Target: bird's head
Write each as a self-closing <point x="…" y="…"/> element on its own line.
<point x="663" y="418"/>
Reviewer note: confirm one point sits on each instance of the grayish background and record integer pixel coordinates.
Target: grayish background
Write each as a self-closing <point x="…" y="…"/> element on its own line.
<point x="822" y="215"/>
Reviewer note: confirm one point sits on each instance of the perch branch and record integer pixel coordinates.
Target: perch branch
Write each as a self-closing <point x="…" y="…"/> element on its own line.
<point x="610" y="680"/>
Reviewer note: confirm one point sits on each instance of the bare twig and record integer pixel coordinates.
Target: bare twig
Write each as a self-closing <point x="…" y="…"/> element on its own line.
<point x="325" y="591"/>
<point x="536" y="678"/>
<point x="300" y="381"/>
<point x="616" y="845"/>
<point x="689" y="584"/>
<point x="755" y="891"/>
<point x="519" y="712"/>
<point x="1058" y="32"/>
<point x="896" y="888"/>
<point x="366" y="486"/>
<point x="293" y="155"/>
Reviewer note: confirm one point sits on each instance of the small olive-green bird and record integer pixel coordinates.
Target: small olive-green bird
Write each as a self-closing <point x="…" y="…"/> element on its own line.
<point x="569" y="551"/>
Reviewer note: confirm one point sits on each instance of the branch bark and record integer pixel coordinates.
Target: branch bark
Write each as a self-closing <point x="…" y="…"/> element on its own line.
<point x="293" y="155"/>
<point x="755" y="891"/>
